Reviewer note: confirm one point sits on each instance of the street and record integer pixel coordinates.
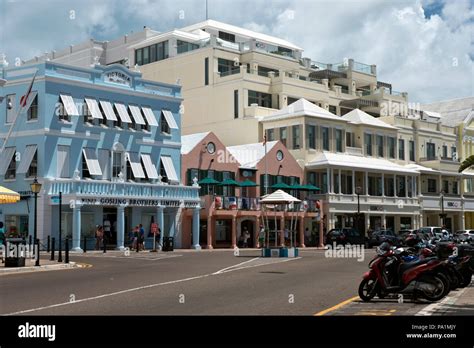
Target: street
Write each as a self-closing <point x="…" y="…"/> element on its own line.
<point x="215" y="282"/>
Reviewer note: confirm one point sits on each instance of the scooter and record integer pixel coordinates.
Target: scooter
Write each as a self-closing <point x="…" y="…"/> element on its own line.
<point x="390" y="275"/>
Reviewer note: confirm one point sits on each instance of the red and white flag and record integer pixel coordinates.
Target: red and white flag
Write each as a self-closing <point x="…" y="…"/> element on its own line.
<point x="25" y="97"/>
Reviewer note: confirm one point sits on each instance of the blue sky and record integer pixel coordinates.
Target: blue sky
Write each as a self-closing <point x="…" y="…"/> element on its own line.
<point x="423" y="47"/>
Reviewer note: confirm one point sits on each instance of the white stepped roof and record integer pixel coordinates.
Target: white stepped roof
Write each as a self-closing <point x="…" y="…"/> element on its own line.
<point x="345" y="160"/>
<point x="357" y="116"/>
<point x="189" y="142"/>
<point x="279" y="197"/>
<point x="242" y="32"/>
<point x="301" y="107"/>
<point x="249" y="155"/>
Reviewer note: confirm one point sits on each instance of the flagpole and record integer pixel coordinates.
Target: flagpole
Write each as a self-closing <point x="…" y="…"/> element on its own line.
<point x="17" y="114"/>
<point x="265" y="181"/>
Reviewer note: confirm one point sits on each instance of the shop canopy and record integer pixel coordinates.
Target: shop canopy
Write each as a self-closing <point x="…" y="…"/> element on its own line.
<point x="281" y="186"/>
<point x="247" y="183"/>
<point x="8" y="196"/>
<point x="208" y="181"/>
<point x="229" y="182"/>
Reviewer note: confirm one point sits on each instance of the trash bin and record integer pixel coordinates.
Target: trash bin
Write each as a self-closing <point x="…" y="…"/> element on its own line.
<point x="15" y="257"/>
<point x="168" y="244"/>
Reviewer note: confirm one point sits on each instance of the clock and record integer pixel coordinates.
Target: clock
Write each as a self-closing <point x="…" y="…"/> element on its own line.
<point x="246" y="173"/>
<point x="211" y="147"/>
<point x="279" y="155"/>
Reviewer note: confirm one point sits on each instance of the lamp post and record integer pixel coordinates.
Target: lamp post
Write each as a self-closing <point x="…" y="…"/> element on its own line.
<point x="358" y="191"/>
<point x="36" y="188"/>
<point x="442" y="215"/>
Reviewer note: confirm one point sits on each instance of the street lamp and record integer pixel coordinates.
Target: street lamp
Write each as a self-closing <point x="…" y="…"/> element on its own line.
<point x="358" y="191"/>
<point x="36" y="188"/>
<point x="442" y="215"/>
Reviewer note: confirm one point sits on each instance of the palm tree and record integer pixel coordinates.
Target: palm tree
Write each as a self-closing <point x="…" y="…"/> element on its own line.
<point x="467" y="163"/>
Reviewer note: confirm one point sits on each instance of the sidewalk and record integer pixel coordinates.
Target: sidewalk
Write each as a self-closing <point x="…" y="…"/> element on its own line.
<point x="45" y="265"/>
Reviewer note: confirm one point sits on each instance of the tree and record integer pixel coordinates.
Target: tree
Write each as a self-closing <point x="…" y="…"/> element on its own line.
<point x="467" y="163"/>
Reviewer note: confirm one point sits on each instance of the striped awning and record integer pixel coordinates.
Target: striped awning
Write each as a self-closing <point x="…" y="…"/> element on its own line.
<point x="8" y="196"/>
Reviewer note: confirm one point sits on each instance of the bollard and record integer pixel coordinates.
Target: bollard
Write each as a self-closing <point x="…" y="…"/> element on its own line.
<point x="48" y="244"/>
<point x="52" y="248"/>
<point x="66" y="257"/>
<point x="104" y="245"/>
<point x="37" y="252"/>
<point x="85" y="244"/>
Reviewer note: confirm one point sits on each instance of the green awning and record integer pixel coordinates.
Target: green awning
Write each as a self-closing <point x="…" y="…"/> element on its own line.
<point x="281" y="186"/>
<point x="229" y="182"/>
<point x="310" y="187"/>
<point x="208" y="181"/>
<point x="247" y="183"/>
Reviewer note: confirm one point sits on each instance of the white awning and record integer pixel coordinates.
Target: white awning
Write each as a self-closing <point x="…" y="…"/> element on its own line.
<point x="31" y="97"/>
<point x="123" y="113"/>
<point x="150" y="116"/>
<point x="149" y="166"/>
<point x="5" y="159"/>
<point x="136" y="165"/>
<point x="93" y="108"/>
<point x="137" y="115"/>
<point x="92" y="161"/>
<point x="26" y="159"/>
<point x="109" y="110"/>
<point x="170" y="119"/>
<point x="69" y="105"/>
<point x="169" y="168"/>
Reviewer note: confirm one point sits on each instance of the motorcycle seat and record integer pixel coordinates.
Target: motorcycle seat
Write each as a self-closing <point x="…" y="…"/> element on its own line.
<point x="407" y="265"/>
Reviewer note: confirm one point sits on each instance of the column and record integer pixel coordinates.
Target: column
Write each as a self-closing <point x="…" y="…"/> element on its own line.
<point x="76" y="227"/>
<point x="366" y="183"/>
<point x="120" y="227"/>
<point x="160" y="221"/>
<point x="210" y="229"/>
<point x="367" y="222"/>
<point x="418" y="186"/>
<point x="463" y="220"/>
<point x="383" y="184"/>
<point x="196" y="213"/>
<point x="406" y="185"/>
<point x="328" y="175"/>
<point x="321" y="225"/>
<point x="339" y="181"/>
<point x="301" y="231"/>
<point x="384" y="221"/>
<point x="282" y="231"/>
<point x="395" y="193"/>
<point x="353" y="181"/>
<point x="234" y="231"/>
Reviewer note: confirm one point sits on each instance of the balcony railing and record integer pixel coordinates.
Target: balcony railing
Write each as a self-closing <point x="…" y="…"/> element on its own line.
<point x="104" y="188"/>
<point x="232" y="71"/>
<point x="354" y="150"/>
<point x="363" y="68"/>
<point x="248" y="203"/>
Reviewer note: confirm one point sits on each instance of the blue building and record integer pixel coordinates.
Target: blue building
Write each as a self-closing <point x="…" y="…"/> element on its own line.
<point x="104" y="138"/>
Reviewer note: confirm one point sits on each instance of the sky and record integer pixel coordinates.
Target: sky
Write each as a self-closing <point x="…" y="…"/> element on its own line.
<point x="423" y="47"/>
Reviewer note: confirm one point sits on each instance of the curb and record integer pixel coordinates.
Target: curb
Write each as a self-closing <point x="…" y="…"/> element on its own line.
<point x="30" y="269"/>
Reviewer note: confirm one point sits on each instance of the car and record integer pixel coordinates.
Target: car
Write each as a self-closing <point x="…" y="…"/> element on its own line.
<point x="346" y="235"/>
<point x="464" y="235"/>
<point x="378" y="237"/>
<point x="432" y="231"/>
<point x="402" y="234"/>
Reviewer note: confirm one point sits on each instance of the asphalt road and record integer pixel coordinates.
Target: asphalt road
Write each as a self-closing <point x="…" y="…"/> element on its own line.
<point x="208" y="282"/>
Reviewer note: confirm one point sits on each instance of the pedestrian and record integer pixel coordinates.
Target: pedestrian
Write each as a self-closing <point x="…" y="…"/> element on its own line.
<point x="2" y="234"/>
<point x="246" y="237"/>
<point x="136" y="236"/>
<point x="307" y="235"/>
<point x="261" y="237"/>
<point x="99" y="237"/>
<point x="142" y="237"/>
<point x="287" y="236"/>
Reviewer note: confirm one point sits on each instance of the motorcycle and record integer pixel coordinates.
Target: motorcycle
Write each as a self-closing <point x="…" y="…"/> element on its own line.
<point x="389" y="274"/>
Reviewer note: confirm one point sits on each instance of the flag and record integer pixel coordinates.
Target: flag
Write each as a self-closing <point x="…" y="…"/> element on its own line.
<point x="28" y="93"/>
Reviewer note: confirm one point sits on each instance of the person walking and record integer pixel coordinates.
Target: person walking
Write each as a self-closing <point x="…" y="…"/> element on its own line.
<point x="261" y="237"/>
<point x="136" y="237"/>
<point x="246" y="238"/>
<point x="141" y="232"/>
<point x="2" y="234"/>
<point x="99" y="237"/>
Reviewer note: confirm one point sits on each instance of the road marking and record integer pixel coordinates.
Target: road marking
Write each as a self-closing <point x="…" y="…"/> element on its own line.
<point x="83" y="265"/>
<point x="376" y="312"/>
<point x="339" y="305"/>
<point x="133" y="257"/>
<point x="448" y="300"/>
<point x="237" y="265"/>
<point x="140" y="288"/>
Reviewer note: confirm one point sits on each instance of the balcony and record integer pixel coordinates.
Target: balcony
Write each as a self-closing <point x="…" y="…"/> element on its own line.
<point x="354" y="150"/>
<point x="245" y="203"/>
<point x="94" y="188"/>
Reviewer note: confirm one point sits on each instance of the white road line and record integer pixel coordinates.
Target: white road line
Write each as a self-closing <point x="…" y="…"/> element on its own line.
<point x="224" y="270"/>
<point x="448" y="300"/>
<point x="133" y="257"/>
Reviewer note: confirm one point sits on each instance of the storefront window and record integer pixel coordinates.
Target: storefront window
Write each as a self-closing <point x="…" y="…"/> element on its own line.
<point x="16" y="225"/>
<point x="223" y="231"/>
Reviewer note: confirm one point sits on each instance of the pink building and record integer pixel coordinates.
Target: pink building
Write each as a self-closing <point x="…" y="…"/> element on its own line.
<point x="227" y="211"/>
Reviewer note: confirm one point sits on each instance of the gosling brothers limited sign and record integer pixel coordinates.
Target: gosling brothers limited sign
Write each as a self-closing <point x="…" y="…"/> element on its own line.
<point x="128" y="202"/>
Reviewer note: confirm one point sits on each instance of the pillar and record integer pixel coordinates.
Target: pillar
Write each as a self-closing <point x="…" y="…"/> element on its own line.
<point x="301" y="231"/>
<point x="339" y="182"/>
<point x="366" y="178"/>
<point x="196" y="213"/>
<point x="328" y="175"/>
<point x="419" y="187"/>
<point x="395" y="193"/>
<point x="120" y="227"/>
<point x="173" y="223"/>
<point x="321" y="225"/>
<point x="160" y="221"/>
<point x="353" y="181"/>
<point x="76" y="227"/>
<point x="282" y="229"/>
<point x="234" y="231"/>
<point x="210" y="229"/>
<point x="367" y="222"/>
<point x="406" y="185"/>
<point x="384" y="221"/>
<point x="383" y="184"/>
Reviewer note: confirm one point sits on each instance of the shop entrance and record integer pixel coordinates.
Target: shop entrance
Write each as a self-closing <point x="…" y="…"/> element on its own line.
<point x="249" y="226"/>
<point x="110" y="225"/>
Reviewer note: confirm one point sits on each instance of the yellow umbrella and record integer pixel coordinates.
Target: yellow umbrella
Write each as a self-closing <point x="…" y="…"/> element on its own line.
<point x="8" y="196"/>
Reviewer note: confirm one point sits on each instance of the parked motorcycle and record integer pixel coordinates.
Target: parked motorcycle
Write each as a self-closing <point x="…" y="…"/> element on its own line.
<point x="389" y="274"/>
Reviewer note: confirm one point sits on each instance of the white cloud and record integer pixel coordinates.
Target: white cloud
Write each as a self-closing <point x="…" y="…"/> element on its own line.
<point x="429" y="58"/>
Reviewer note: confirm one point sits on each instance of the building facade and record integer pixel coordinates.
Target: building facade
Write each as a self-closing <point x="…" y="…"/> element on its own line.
<point x="227" y="211"/>
<point x="105" y="139"/>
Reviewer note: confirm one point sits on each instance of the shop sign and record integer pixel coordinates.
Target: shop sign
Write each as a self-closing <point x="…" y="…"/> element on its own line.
<point x="453" y="204"/>
<point x="128" y="201"/>
<point x="376" y="208"/>
<point x="117" y="77"/>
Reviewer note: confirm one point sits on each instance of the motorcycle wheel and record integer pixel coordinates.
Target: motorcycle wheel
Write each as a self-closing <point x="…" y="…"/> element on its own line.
<point x="441" y="284"/>
<point x="367" y="289"/>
